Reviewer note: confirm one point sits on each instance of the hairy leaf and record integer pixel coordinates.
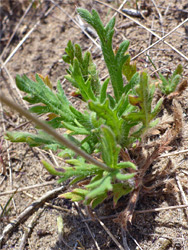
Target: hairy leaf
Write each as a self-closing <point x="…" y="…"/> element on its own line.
<point x="129" y="69"/>
<point x="41" y="139"/>
<point x="81" y="170"/>
<point x="113" y="63"/>
<point x="110" y="149"/>
<point x="40" y="93"/>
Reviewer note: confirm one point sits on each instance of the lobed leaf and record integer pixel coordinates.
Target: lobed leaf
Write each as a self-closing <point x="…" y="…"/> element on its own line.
<point x="110" y="116"/>
<point x="129" y="69"/>
<point x="33" y="140"/>
<point x="85" y="14"/>
<point x="120" y="58"/>
<point x="114" y="64"/>
<point x="120" y="189"/>
<point x="75" y="195"/>
<point x="99" y="187"/>
<point x="39" y="92"/>
<point x="110" y="149"/>
<point x="81" y="170"/>
<point x="126" y="164"/>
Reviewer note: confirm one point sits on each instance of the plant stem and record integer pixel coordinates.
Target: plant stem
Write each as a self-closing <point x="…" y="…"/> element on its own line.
<point x="53" y="133"/>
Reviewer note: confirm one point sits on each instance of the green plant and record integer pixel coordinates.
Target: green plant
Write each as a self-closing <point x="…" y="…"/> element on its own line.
<point x="169" y="84"/>
<point x="6" y="209"/>
<point x="110" y="123"/>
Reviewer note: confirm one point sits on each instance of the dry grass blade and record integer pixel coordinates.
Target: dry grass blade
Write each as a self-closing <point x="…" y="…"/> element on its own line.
<point x="27" y="188"/>
<point x="138" y="246"/>
<point x="162" y="39"/>
<point x="110" y="234"/>
<point x="3" y="172"/>
<point x="143" y="212"/>
<point x="184" y="198"/>
<point x="16" y="28"/>
<point x="47" y="204"/>
<point x="159" y="13"/>
<point x="120" y="7"/>
<point x="77" y="23"/>
<point x="19" y="45"/>
<point x="13" y="89"/>
<point x="124" y="237"/>
<point x="174" y="153"/>
<point x="161" y="209"/>
<point x="9" y="159"/>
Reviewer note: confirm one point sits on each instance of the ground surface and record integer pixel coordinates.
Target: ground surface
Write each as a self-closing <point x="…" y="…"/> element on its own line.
<point x="52" y="26"/>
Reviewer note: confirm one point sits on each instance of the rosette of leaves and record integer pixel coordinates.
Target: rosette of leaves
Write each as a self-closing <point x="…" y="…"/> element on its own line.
<point x="106" y="125"/>
<point x="100" y="184"/>
<point x="169" y="84"/>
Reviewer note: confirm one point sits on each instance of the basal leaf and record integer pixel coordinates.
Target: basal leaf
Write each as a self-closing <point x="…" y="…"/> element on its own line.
<point x="96" y="201"/>
<point x="46" y="80"/>
<point x="67" y="153"/>
<point x="101" y="188"/>
<point x="127" y="164"/>
<point x="120" y="57"/>
<point x="135" y="80"/>
<point x="75" y="195"/>
<point x="124" y="177"/>
<point x="105" y="34"/>
<point x="85" y="14"/>
<point x="70" y="53"/>
<point x="82" y="171"/>
<point x="110" y="25"/>
<point x="112" y="101"/>
<point x="120" y="189"/>
<point x="157" y="108"/>
<point x="85" y="87"/>
<point x="61" y="94"/>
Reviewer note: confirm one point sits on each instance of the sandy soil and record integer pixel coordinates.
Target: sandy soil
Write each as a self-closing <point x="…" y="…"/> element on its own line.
<point x="41" y="53"/>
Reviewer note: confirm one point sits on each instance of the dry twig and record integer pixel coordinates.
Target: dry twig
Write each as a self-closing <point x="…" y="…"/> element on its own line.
<point x="28" y="211"/>
<point x="29" y="228"/>
<point x="184" y="198"/>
